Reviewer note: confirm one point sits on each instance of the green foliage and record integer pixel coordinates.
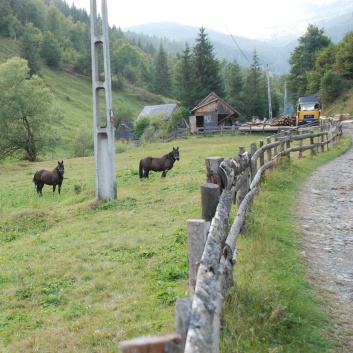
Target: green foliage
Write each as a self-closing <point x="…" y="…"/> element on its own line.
<point x="29" y="48"/>
<point x="162" y="78"/>
<point x="344" y="57"/>
<point x="331" y="86"/>
<point x="303" y="59"/>
<point x="177" y="118"/>
<point x="50" y="50"/>
<point x="186" y="82"/>
<point x="27" y="112"/>
<point x="140" y="126"/>
<point x="207" y="66"/>
<point x="83" y="145"/>
<point x="255" y="90"/>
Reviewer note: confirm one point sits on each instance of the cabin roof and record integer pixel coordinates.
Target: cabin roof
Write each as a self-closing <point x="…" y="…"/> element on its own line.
<point x="153" y="110"/>
<point x="211" y="98"/>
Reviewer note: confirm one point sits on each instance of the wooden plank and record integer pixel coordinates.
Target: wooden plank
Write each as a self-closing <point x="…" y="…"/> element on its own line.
<point x="152" y="344"/>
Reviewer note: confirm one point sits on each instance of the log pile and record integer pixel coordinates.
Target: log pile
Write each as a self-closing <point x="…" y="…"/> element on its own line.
<point x="340" y="117"/>
<point x="284" y="121"/>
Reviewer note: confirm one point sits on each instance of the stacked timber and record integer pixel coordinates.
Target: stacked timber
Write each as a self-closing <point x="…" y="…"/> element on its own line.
<point x="340" y="117"/>
<point x="284" y="121"/>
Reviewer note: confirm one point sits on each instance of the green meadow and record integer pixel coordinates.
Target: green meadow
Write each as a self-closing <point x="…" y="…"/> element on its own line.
<point x="81" y="275"/>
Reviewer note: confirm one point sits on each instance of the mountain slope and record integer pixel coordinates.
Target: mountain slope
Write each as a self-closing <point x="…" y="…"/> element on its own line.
<point x="335" y="19"/>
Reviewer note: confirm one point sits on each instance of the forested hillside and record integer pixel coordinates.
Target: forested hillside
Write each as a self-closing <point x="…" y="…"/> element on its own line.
<point x="54" y="41"/>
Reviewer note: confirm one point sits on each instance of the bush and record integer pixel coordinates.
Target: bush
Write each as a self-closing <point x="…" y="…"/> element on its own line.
<point x="83" y="143"/>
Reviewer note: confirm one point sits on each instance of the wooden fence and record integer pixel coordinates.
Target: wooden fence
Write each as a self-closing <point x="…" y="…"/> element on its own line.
<point x="212" y="245"/>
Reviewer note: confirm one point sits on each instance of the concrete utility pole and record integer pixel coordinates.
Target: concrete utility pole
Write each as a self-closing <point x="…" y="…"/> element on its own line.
<point x="103" y="118"/>
<point x="269" y="95"/>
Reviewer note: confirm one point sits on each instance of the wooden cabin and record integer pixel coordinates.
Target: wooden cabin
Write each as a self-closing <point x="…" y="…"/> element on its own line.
<point x="210" y="113"/>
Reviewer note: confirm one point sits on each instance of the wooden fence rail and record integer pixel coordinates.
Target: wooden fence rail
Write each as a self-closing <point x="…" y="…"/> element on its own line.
<point x="212" y="245"/>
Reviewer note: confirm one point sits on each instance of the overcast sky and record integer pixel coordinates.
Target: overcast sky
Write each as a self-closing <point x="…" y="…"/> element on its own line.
<point x="247" y="18"/>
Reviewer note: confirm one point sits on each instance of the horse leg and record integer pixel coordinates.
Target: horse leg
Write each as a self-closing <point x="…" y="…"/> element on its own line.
<point x="54" y="186"/>
<point x="146" y="173"/>
<point x="59" y="188"/>
<point x="40" y="187"/>
<point x="164" y="174"/>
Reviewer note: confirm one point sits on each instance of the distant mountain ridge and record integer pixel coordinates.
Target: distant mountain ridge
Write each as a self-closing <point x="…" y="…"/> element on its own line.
<point x="335" y="18"/>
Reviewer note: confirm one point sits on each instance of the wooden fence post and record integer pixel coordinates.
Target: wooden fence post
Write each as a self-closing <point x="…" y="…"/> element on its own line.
<point x="212" y="171"/>
<point x="312" y="151"/>
<point x="288" y="143"/>
<point x="300" y="144"/>
<point x="269" y="151"/>
<point x="197" y="235"/>
<point x="321" y="129"/>
<point x="253" y="162"/>
<point x="282" y="142"/>
<point x="275" y="148"/>
<point x="209" y="200"/>
<point x="262" y="156"/>
<point x="182" y="319"/>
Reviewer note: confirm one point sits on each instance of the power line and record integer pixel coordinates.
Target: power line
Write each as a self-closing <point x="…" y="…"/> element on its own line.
<point x="238" y="45"/>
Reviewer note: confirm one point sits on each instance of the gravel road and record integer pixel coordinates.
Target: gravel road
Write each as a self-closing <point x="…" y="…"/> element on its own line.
<point x="324" y="214"/>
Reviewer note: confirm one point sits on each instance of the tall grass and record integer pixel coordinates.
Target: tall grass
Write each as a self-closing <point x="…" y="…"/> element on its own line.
<point x="79" y="275"/>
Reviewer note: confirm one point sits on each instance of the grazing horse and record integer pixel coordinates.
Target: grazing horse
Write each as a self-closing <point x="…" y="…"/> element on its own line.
<point x="54" y="178"/>
<point x="162" y="164"/>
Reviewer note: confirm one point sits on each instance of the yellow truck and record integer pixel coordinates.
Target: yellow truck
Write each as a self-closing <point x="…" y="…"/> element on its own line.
<point x="308" y="110"/>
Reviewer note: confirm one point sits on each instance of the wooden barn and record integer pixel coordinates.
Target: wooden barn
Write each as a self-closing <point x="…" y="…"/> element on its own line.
<point x="210" y="113"/>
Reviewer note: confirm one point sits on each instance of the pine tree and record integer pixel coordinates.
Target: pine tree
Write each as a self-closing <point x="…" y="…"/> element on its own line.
<point x="162" y="80"/>
<point x="234" y="84"/>
<point x="207" y="66"/>
<point x="186" y="84"/>
<point x="255" y="90"/>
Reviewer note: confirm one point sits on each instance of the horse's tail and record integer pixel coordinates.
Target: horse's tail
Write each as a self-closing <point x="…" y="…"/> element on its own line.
<point x="35" y="179"/>
<point x="140" y="169"/>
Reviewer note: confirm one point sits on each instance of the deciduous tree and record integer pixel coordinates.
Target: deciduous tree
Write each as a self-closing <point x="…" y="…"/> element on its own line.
<point x="27" y="112"/>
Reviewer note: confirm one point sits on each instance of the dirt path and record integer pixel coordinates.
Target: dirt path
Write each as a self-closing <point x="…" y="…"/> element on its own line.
<point x="324" y="213"/>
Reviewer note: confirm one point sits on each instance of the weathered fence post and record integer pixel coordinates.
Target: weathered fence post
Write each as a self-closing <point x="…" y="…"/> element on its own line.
<point x="212" y="171"/>
<point x="209" y="200"/>
<point x="182" y="319"/>
<point x="321" y="129"/>
<point x="253" y="162"/>
<point x="197" y="235"/>
<point x="275" y="148"/>
<point x="262" y="156"/>
<point x="269" y="151"/>
<point x="288" y="134"/>
<point x="282" y="141"/>
<point x="300" y="144"/>
<point x="312" y="151"/>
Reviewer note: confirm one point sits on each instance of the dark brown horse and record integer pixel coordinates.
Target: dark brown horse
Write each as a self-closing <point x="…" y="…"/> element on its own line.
<point x="54" y="178"/>
<point x="162" y="164"/>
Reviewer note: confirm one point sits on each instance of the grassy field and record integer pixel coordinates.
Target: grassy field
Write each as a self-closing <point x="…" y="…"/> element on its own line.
<point x="78" y="275"/>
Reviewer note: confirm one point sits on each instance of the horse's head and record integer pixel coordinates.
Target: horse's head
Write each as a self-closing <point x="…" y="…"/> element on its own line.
<point x="176" y="153"/>
<point x="60" y="167"/>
